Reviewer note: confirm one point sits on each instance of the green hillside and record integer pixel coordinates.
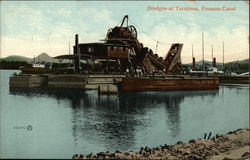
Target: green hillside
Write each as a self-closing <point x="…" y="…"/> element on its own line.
<point x="15" y="59"/>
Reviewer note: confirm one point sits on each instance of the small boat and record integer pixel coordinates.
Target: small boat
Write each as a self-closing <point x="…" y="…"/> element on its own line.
<point x="37" y="68"/>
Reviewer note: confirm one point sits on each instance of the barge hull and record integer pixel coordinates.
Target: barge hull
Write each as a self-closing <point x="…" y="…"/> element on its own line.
<point x="147" y="84"/>
<point x="27" y="81"/>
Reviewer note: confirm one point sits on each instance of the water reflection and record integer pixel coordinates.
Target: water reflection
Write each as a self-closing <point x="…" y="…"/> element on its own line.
<point x="113" y="121"/>
<point x="170" y="101"/>
<point x="237" y="87"/>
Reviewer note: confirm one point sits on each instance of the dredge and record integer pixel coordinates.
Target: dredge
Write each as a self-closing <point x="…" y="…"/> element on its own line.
<point x="124" y="63"/>
<point x="122" y="50"/>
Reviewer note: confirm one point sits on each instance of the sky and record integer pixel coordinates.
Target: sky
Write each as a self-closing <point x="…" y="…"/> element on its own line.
<point x="29" y="28"/>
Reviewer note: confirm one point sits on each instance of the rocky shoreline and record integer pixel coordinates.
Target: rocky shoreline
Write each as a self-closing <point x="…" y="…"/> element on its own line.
<point x="234" y="145"/>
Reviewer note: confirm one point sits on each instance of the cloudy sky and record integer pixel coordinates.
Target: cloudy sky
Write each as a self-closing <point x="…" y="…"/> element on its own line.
<point x="29" y="27"/>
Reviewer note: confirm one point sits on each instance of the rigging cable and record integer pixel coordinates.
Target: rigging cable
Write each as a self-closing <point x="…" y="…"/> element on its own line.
<point x="151" y="37"/>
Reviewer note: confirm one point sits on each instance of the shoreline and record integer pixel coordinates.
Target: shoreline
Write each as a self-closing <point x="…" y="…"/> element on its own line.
<point x="234" y="145"/>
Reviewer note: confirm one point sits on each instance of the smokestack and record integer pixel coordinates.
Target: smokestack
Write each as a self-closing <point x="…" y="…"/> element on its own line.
<point x="193" y="68"/>
<point x="214" y="62"/>
<point x="77" y="52"/>
<point x="76" y="45"/>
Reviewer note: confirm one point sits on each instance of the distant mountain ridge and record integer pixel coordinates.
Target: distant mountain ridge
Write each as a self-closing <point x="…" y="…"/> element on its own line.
<point x="40" y="58"/>
<point x="46" y="58"/>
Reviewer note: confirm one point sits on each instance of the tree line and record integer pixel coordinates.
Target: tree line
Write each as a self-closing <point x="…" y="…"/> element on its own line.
<point x="12" y="64"/>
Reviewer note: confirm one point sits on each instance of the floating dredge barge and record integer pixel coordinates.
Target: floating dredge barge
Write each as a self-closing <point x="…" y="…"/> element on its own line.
<point x="124" y="63"/>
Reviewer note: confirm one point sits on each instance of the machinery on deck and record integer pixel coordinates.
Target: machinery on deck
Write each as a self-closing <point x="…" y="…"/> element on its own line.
<point x="121" y="51"/>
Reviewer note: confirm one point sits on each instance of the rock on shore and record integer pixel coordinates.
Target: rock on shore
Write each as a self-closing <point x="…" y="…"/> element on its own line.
<point x="233" y="145"/>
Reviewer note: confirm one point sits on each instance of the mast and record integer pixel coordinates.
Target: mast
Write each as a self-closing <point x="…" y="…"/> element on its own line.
<point x="223" y="55"/>
<point x="212" y="52"/>
<point x="192" y="51"/>
<point x="203" y="52"/>
<point x="69" y="47"/>
<point x="193" y="59"/>
<point x="69" y="51"/>
<point x="156" y="47"/>
<point x="33" y="49"/>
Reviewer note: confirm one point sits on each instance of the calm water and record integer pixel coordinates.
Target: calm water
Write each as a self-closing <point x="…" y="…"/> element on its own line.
<point x="66" y="122"/>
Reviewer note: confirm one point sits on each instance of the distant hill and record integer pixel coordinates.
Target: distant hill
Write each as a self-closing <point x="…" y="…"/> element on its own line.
<point x="205" y="61"/>
<point x="16" y="58"/>
<point x="245" y="61"/>
<point x="45" y="57"/>
<point x="40" y="58"/>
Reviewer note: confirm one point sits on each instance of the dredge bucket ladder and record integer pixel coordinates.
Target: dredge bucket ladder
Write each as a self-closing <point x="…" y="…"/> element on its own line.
<point x="173" y="58"/>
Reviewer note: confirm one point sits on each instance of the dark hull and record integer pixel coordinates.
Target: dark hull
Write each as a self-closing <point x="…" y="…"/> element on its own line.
<point x="39" y="71"/>
<point x="168" y="84"/>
